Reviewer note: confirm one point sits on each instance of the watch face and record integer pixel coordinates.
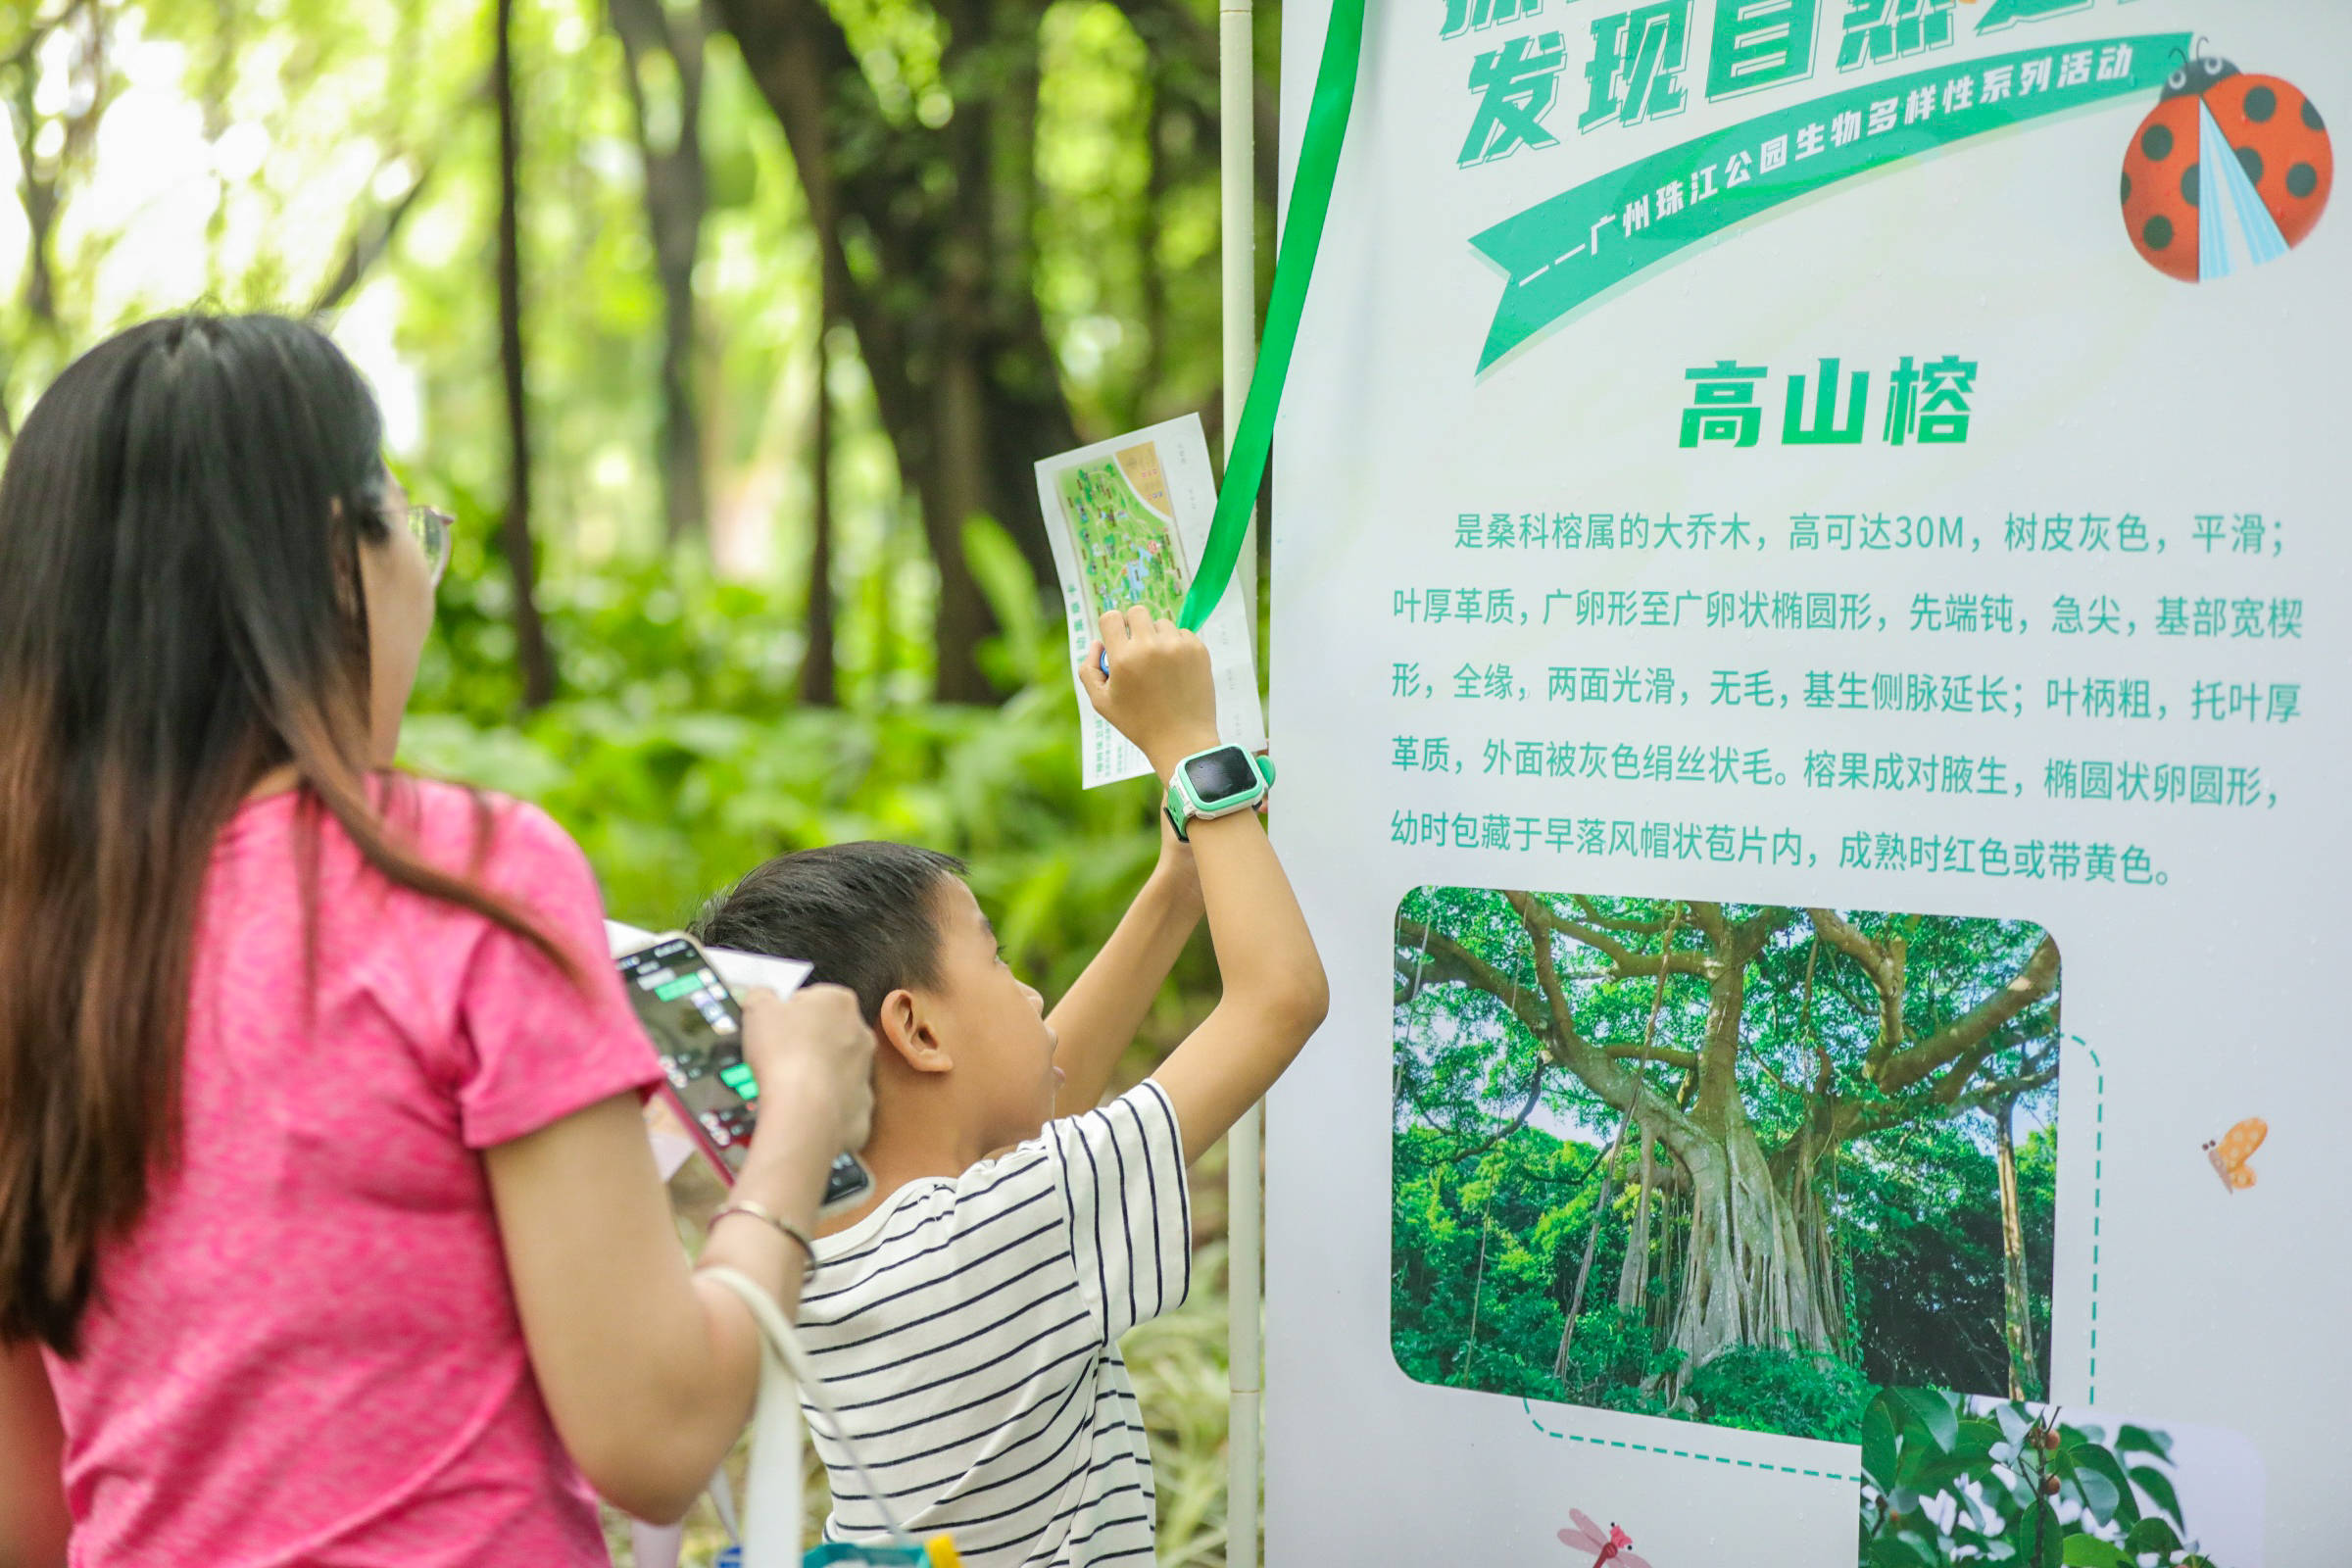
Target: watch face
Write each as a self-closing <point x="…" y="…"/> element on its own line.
<point x="1221" y="774"/>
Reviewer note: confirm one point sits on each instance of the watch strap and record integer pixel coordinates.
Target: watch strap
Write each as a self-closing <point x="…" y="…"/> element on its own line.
<point x="1178" y="802"/>
<point x="1178" y="805"/>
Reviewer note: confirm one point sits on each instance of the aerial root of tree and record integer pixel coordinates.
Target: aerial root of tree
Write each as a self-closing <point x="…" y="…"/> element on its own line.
<point x="1748" y="1274"/>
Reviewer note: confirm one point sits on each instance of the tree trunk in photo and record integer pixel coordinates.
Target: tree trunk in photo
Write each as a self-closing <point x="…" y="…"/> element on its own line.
<point x="942" y="298"/>
<point x="1478" y="1288"/>
<point x="1583" y="1270"/>
<point x="1748" y="1267"/>
<point x="1748" y="1271"/>
<point x="669" y="141"/>
<point x="820" y="685"/>
<point x="2024" y="1376"/>
<point x="1633" y="1278"/>
<point x="515" y="531"/>
<point x="1634" y="1275"/>
<point x="1804" y="1162"/>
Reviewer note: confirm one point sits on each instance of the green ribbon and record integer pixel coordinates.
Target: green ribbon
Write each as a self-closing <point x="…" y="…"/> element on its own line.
<point x="1302" y="235"/>
<point x="1565" y="253"/>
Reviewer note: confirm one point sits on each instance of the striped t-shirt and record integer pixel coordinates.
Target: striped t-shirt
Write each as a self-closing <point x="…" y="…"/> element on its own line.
<point x="968" y="1331"/>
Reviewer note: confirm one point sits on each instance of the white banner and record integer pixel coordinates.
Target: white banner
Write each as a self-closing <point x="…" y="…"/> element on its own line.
<point x="1804" y="542"/>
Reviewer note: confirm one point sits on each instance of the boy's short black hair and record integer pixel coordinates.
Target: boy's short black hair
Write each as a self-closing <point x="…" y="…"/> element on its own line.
<point x="865" y="914"/>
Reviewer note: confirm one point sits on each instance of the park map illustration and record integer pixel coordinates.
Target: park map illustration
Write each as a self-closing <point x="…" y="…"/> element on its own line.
<point x="1122" y="522"/>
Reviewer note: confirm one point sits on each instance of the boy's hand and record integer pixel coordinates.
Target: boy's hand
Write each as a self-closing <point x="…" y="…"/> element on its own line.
<point x="1160" y="692"/>
<point x="1177" y="868"/>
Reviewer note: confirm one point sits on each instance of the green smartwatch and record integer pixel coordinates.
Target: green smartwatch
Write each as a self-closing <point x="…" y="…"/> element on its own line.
<point x="1217" y="782"/>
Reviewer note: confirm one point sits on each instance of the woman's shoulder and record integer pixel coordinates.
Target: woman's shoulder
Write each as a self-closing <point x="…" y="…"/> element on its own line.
<point x="475" y="831"/>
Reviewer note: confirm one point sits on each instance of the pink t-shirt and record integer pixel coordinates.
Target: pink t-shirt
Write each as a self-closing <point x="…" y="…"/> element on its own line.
<point x="307" y="1351"/>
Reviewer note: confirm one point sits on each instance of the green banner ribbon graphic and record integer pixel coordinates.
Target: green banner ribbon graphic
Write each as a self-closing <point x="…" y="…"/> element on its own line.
<point x="1252" y="437"/>
<point x="1565" y="253"/>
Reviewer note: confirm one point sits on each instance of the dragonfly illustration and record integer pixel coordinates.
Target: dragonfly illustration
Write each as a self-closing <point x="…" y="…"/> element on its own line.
<point x="1610" y="1546"/>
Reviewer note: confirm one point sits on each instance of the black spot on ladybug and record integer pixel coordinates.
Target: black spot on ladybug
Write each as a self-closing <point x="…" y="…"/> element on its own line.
<point x="2127" y="187"/>
<point x="2188" y="185"/>
<point x="2301" y="180"/>
<point x="2311" y="115"/>
<point x="2157" y="231"/>
<point x="2253" y="162"/>
<point x="2261" y="104"/>
<point x="2157" y="143"/>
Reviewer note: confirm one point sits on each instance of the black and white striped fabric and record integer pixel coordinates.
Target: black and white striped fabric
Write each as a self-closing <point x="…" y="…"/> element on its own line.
<point x="968" y="1331"/>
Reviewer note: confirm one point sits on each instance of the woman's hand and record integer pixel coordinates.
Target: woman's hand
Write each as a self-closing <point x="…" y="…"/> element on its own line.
<point x="648" y="1375"/>
<point x="814" y="1057"/>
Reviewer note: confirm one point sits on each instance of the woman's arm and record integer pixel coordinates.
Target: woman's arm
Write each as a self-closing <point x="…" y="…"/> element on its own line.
<point x="1101" y="1012"/>
<point x="33" y="1523"/>
<point x="650" y="1373"/>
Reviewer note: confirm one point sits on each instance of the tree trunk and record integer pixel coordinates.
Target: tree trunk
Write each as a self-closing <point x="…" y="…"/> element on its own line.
<point x="515" y="531"/>
<point x="1632" y="1277"/>
<point x="372" y="235"/>
<point x="820" y="685"/>
<point x="943" y="303"/>
<point x="1748" y="1272"/>
<point x="1148" y="236"/>
<point x="676" y="199"/>
<point x="2024" y="1376"/>
<point x="42" y="180"/>
<point x="1477" y="1290"/>
<point x="1583" y="1270"/>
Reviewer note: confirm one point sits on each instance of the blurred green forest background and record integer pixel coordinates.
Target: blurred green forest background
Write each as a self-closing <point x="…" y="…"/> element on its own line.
<point x="729" y="330"/>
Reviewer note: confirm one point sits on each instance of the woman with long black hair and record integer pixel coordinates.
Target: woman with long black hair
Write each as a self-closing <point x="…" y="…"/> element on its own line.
<point x="323" y="1193"/>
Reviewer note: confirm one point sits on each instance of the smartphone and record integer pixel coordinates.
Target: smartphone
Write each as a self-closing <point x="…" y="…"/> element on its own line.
<point x="697" y="1031"/>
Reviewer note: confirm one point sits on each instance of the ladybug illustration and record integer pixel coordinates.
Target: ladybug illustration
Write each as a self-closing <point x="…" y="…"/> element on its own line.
<point x="2229" y="170"/>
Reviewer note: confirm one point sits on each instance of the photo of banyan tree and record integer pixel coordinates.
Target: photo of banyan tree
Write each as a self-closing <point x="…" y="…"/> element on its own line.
<point x="1730" y="1163"/>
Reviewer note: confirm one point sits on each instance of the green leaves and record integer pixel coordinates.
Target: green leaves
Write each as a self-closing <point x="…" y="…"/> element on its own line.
<point x="680" y="759"/>
<point x="1880" y="1445"/>
<point x="2012" y="1484"/>
<point x="1018" y="655"/>
<point x="2158" y="1488"/>
<point x="1800" y="1393"/>
<point x="1938" y="1415"/>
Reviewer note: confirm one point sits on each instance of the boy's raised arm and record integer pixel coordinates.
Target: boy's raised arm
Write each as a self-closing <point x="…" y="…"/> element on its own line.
<point x="1104" y="1009"/>
<point x="1161" y="695"/>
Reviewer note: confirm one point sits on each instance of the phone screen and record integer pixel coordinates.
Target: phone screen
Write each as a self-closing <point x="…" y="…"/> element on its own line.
<point x="697" y="1031"/>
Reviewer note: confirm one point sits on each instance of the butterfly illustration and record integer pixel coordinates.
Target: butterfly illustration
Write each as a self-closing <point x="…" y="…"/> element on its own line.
<point x="2230" y="1151"/>
<point x="1612" y="1545"/>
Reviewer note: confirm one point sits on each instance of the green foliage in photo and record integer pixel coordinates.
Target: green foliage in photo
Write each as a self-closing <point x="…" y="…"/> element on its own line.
<point x="1952" y="1481"/>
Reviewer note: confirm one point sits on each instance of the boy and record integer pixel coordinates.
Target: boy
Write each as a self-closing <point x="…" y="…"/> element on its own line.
<point x="967" y="1320"/>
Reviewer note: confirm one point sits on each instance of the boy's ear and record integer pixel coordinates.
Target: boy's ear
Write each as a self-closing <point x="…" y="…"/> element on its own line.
<point x="904" y="1028"/>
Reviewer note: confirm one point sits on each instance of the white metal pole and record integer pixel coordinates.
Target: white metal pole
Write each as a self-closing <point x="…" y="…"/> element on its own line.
<point x="1236" y="105"/>
<point x="1242" y="1463"/>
